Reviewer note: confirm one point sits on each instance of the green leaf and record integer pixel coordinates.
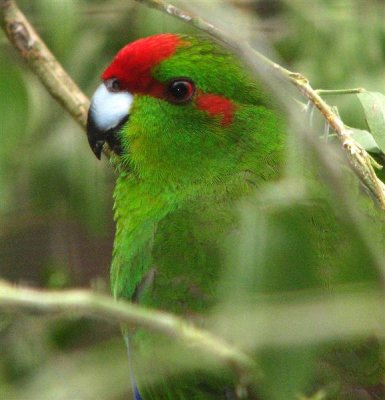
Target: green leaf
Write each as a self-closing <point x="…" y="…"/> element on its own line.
<point x="366" y="140"/>
<point x="373" y="104"/>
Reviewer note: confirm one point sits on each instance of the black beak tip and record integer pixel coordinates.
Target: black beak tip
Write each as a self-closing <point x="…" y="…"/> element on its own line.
<point x="97" y="148"/>
<point x="95" y="137"/>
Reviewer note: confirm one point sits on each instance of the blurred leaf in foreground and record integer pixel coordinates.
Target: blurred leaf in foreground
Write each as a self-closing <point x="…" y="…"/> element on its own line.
<point x="373" y="104"/>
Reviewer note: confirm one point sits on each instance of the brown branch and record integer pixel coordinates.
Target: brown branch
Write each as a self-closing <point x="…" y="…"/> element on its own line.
<point x="42" y="62"/>
<point x="359" y="160"/>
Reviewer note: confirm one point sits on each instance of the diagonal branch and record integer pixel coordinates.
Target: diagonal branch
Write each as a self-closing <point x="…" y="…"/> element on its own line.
<point x="42" y="62"/>
<point x="359" y="160"/>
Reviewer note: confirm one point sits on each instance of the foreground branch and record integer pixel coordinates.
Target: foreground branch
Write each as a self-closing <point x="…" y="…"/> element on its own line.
<point x="306" y="318"/>
<point x="86" y="303"/>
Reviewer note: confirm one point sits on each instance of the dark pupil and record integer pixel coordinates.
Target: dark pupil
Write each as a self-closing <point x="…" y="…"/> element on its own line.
<point x="180" y="90"/>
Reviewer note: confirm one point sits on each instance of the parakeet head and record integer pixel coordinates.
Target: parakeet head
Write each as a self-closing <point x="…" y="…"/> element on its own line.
<point x="180" y="110"/>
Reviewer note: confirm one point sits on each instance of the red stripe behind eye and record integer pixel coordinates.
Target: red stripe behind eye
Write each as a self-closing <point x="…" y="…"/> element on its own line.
<point x="217" y="105"/>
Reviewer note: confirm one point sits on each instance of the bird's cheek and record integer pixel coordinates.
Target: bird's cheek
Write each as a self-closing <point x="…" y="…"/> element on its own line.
<point x="107" y="113"/>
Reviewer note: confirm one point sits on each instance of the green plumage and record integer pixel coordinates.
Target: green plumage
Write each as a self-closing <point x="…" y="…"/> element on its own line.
<point x="177" y="157"/>
<point x="181" y="175"/>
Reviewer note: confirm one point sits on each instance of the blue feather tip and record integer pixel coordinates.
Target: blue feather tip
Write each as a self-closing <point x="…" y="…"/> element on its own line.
<point x="134" y="386"/>
<point x="137" y="395"/>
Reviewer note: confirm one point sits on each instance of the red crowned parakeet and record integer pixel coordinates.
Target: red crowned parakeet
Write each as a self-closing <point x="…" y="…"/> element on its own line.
<point x="189" y="126"/>
<point x="191" y="134"/>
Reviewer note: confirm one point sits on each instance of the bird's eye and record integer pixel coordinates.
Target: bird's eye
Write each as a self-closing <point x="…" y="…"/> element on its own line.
<point x="180" y="91"/>
<point x="113" y="85"/>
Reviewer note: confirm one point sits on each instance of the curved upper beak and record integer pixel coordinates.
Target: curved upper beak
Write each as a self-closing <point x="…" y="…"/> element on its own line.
<point x="107" y="114"/>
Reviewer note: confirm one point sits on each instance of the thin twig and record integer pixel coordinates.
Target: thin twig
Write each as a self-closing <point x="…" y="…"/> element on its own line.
<point x="86" y="303"/>
<point x="358" y="158"/>
<point x="332" y="92"/>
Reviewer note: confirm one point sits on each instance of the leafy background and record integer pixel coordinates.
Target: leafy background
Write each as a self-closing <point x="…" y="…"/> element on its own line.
<point x="56" y="227"/>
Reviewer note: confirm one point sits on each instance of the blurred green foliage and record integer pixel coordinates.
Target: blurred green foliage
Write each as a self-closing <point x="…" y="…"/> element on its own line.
<point x="55" y="200"/>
